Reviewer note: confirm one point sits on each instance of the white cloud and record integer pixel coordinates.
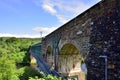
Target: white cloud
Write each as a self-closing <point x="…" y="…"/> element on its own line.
<point x="19" y="35"/>
<point x="61" y="18"/>
<point x="44" y="30"/>
<point x="63" y="10"/>
<point x="49" y="7"/>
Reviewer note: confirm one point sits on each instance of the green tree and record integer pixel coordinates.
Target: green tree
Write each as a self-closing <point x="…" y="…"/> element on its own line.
<point x="45" y="77"/>
<point x="26" y="72"/>
<point x="7" y="69"/>
<point x="3" y="52"/>
<point x="12" y="40"/>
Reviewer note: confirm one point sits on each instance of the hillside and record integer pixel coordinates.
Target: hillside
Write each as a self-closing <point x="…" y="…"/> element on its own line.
<point x="16" y="48"/>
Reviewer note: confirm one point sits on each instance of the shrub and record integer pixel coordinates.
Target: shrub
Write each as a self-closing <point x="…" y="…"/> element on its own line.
<point x="45" y="77"/>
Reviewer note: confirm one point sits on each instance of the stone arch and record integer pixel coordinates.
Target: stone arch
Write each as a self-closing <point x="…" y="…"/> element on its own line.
<point x="69" y="61"/>
<point x="33" y="62"/>
<point x="74" y="42"/>
<point x="49" y="56"/>
<point x="32" y="59"/>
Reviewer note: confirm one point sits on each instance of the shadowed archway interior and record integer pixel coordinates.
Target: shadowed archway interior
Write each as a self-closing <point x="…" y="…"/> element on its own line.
<point x="69" y="61"/>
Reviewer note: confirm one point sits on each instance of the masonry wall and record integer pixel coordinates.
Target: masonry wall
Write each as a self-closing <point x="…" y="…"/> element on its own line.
<point x="95" y="32"/>
<point x="105" y="41"/>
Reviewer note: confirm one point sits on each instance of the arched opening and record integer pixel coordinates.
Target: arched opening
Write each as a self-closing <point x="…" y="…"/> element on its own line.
<point x="33" y="62"/>
<point x="49" y="56"/>
<point x="69" y="62"/>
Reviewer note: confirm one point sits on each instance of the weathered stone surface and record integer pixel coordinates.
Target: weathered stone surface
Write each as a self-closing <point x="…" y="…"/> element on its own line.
<point x="95" y="32"/>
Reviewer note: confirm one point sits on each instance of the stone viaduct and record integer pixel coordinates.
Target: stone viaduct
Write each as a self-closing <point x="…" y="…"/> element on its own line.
<point x="81" y="41"/>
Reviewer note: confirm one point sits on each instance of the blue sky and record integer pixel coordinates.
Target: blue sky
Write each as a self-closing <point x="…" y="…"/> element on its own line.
<point x="27" y="18"/>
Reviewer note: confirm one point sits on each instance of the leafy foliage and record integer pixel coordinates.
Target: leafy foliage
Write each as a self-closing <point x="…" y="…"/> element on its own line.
<point x="26" y="72"/>
<point x="7" y="69"/>
<point x="14" y="51"/>
<point x="45" y="77"/>
<point x="17" y="48"/>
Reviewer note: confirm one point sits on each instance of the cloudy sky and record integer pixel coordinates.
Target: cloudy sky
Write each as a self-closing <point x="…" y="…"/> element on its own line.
<point x="27" y="18"/>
